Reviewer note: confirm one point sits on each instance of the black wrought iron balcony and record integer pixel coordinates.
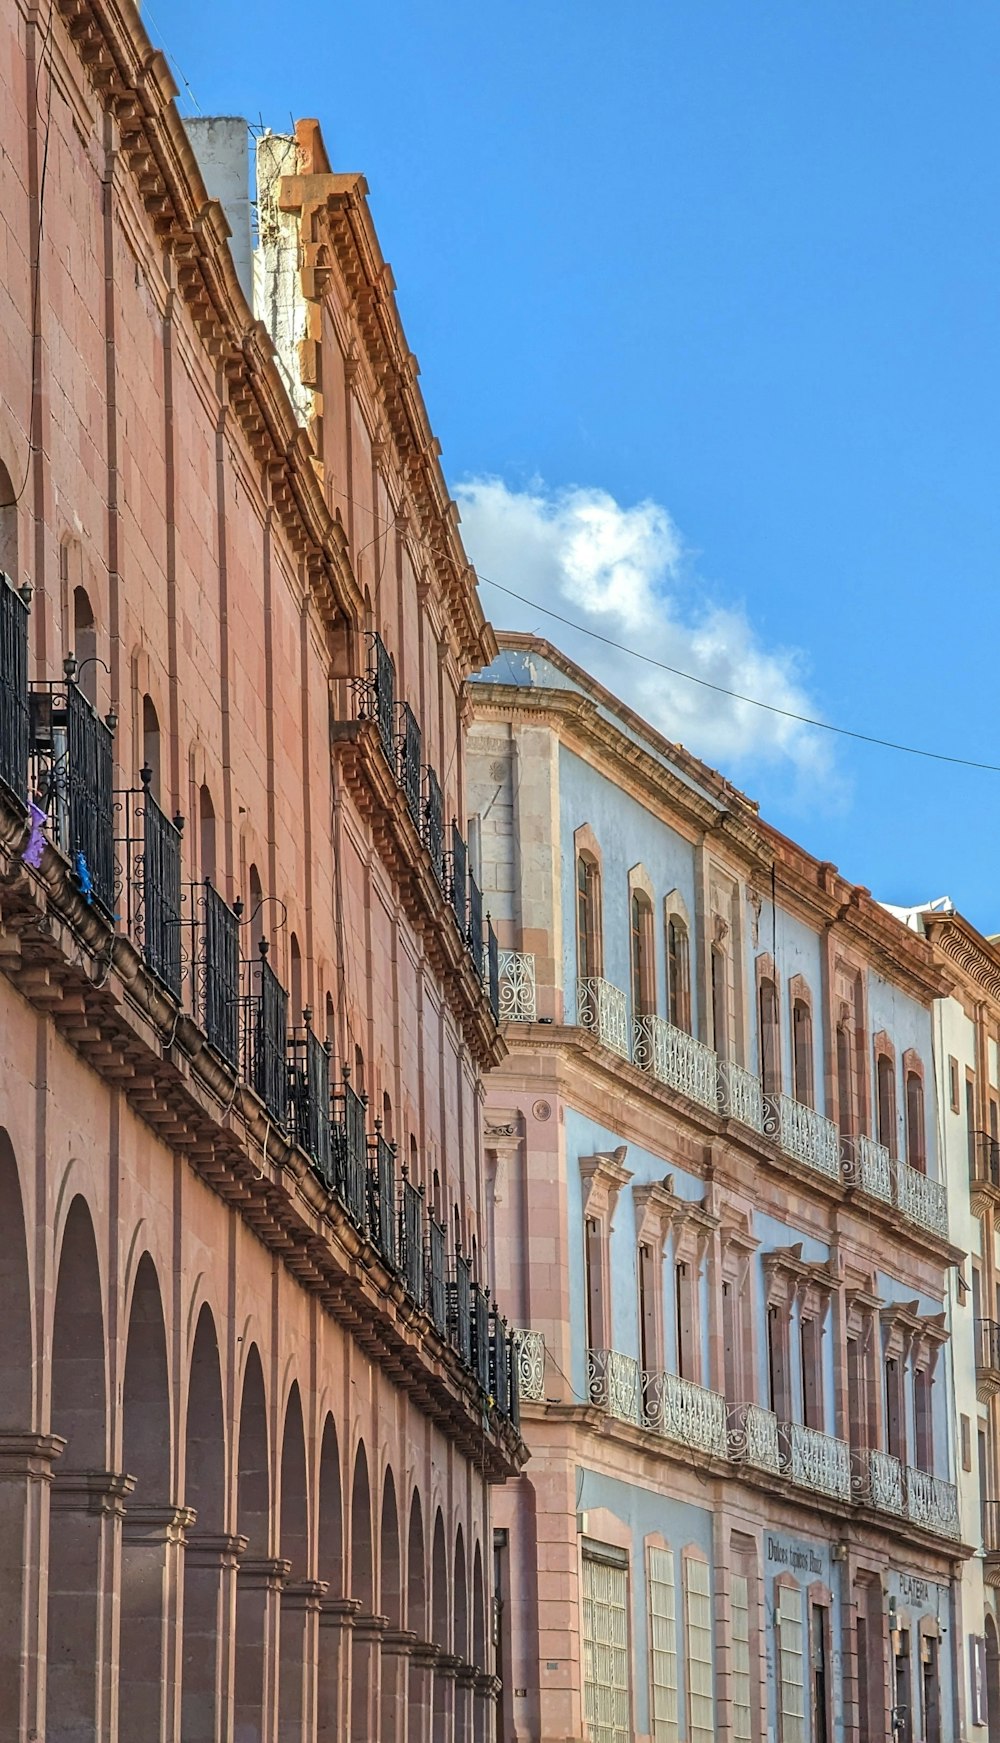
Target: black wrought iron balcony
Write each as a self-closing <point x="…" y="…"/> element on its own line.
<point x="411" y="1240"/>
<point x="266" y="1035"/>
<point x="433" y="830"/>
<point x="984" y="1159"/>
<point x="492" y="971"/>
<point x="71" y="775"/>
<point x="150" y="871"/>
<point x="309" y="1097"/>
<point x="481" y="1336"/>
<point x="376" y="695"/>
<point x="458" y="879"/>
<point x="14" y="692"/>
<point x="475" y="933"/>
<point x="350" y="1152"/>
<point x="460" y="1310"/>
<point x="382" y="1196"/>
<point x="437" y="1282"/>
<point x="216" y="971"/>
<point x="408" y="745"/>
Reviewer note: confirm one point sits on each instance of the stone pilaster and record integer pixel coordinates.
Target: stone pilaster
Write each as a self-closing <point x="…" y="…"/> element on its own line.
<point x="152" y="1571"/>
<point x="26" y="1462"/>
<point x="397" y="1644"/>
<point x="333" y="1691"/>
<point x="301" y="1605"/>
<point x="366" y="1665"/>
<point x="86" y="1509"/>
<point x="259" y="1582"/>
<point x="420" y="1691"/>
<point x="210" y="1564"/>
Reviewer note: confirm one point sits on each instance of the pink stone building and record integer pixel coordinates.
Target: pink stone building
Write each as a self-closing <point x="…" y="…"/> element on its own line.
<point x="252" y="1393"/>
<point x="721" y="1229"/>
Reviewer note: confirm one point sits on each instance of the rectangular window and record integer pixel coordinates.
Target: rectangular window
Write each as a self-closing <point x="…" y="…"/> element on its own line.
<point x="649" y="1342"/>
<point x="956" y="1106"/>
<point x="820" y="1689"/>
<point x="606" y="1650"/>
<point x="923" y="1419"/>
<point x="698" y="1654"/>
<point x="685" y="1283"/>
<point x="812" y="1376"/>
<point x="739" y="1606"/>
<point x="791" y="1668"/>
<point x="663" y="1647"/>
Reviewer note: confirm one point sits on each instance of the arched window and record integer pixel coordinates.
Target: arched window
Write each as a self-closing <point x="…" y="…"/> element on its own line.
<point x="885" y="1086"/>
<point x="85" y="644"/>
<point x="256" y="910"/>
<point x="8" y="529"/>
<point x="295" y="969"/>
<point x="720" y="1001"/>
<point x="770" y="1036"/>
<point x="359" y="1071"/>
<point x="916" y="1150"/>
<point x="588" y="910"/>
<point x="678" y="974"/>
<point x="329" y="1018"/>
<point x="387" y="1116"/>
<point x="206" y="826"/>
<point x="151" y="743"/>
<point x="643" y="964"/>
<point x="802" y="1054"/>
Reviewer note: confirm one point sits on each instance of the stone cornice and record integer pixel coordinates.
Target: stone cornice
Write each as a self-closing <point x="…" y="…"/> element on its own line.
<point x="603" y="1177"/>
<point x="977" y="958"/>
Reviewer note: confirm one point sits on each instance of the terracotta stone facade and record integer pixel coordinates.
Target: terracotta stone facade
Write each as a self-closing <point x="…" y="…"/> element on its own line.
<point x="721" y="1228"/>
<point x="253" y="1395"/>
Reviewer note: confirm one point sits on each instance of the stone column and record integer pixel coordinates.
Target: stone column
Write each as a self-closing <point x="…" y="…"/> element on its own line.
<point x="26" y="1462"/>
<point x="333" y="1691"/>
<point x="151" y="1581"/>
<point x="465" y="1682"/>
<point x="445" y="1671"/>
<point x="484" y="1707"/>
<point x="397" y="1644"/>
<point x="366" y="1655"/>
<point x="420" y="1691"/>
<point x="301" y="1604"/>
<point x="85" y="1534"/>
<point x="258" y="1589"/>
<point x="210" y="1563"/>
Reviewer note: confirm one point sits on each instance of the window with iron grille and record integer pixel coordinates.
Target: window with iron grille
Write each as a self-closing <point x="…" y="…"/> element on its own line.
<point x="460" y="1310"/>
<point x="268" y="1036"/>
<point x="698" y="1650"/>
<point x="436" y="1281"/>
<point x="411" y="1236"/>
<point x="161" y="893"/>
<point x="502" y="1371"/>
<point x="13" y="693"/>
<point x="791" y="1667"/>
<point x="480" y="1337"/>
<point x="382" y="1199"/>
<point x="493" y="971"/>
<point x="663" y="1694"/>
<point x="220" y="969"/>
<point x="408" y="767"/>
<point x="739" y="1615"/>
<point x="350" y="1153"/>
<point x="309" y="1099"/>
<point x="476" y="925"/>
<point x="459" y="880"/>
<point x="606" y="1649"/>
<point x="434" y="823"/>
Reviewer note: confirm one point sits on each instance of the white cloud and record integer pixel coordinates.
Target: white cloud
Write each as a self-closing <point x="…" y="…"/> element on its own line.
<point x="623" y="572"/>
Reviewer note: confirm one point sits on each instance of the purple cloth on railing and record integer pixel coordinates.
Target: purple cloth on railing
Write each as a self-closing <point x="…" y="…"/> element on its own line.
<point x="32" y="854"/>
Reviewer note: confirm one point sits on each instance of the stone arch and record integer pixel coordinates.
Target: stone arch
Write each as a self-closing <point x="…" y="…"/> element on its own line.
<point x="79" y="1416"/>
<point x="390" y="1563"/>
<point x="460" y="1578"/>
<point x="416" y="1571"/>
<point x="206" y="1554"/>
<point x="149" y="1536"/>
<point x="294" y="1549"/>
<point x="478" y="1612"/>
<point x="253" y="1522"/>
<point x="331" y="1512"/>
<point x="440" y="1625"/>
<point x="362" y="1581"/>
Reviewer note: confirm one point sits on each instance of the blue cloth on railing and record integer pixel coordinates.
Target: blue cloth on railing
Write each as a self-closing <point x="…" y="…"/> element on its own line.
<point x="32" y="854"/>
<point x="84" y="881"/>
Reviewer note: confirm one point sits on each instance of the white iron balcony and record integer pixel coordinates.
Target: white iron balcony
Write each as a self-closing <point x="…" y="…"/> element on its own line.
<point x="869" y="1165"/>
<point x="741" y="1096"/>
<point x="803" y="1134"/>
<point x="613" y="1381"/>
<point x="676" y="1058"/>
<point x="753" y="1437"/>
<point x="922" y="1200"/>
<point x="817" y="1461"/>
<point x="602" y="1008"/>
<point x="931" y="1502"/>
<point x="517" y="986"/>
<point x="878" y="1480"/>
<point x="529" y="1347"/>
<point x="685" y="1412"/>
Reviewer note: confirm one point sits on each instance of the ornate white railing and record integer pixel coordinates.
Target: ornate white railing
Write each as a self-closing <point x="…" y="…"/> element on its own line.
<point x="602" y="1008"/>
<point x="931" y="1502"/>
<point x="878" y="1479"/>
<point x="517" y="986"/>
<point x="530" y="1347"/>
<point x="753" y="1437"/>
<point x="741" y="1095"/>
<point x="613" y="1381"/>
<point x="874" y="1169"/>
<point x="803" y="1133"/>
<point x="816" y="1460"/>
<point x="676" y="1058"/>
<point x="685" y="1412"/>
<point x="922" y="1200"/>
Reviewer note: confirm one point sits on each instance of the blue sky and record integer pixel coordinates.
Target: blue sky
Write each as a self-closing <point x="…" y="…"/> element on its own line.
<point x="705" y="296"/>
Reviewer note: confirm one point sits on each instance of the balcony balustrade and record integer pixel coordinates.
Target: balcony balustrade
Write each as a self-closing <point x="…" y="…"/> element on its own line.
<point x="350" y="1152"/>
<point x="877" y="1480"/>
<point x="14" y="692"/>
<point x="71" y="771"/>
<point x="460" y="1309"/>
<point x="437" y="1281"/>
<point x="491" y="977"/>
<point x="382" y="1196"/>
<point x="433" y="829"/>
<point x="741" y="1096"/>
<point x="475" y="934"/>
<point x="815" y="1460"/>
<point x="752" y="1435"/>
<point x="674" y="1057"/>
<point x="266" y="1037"/>
<point x="481" y="1336"/>
<point x="149" y="865"/>
<point x="529" y="1353"/>
<point x="869" y="1165"/>
<point x="991" y="1541"/>
<point x="408" y="759"/>
<point x="458" y="884"/>
<point x="685" y="1412"/>
<point x="602" y="1008"/>
<point x="988" y="1356"/>
<point x="376" y="695"/>
<point x="411" y="1240"/>
<point x="517" y="986"/>
<point x="309" y="1098"/>
<point x="803" y="1134"/>
<point x="922" y="1200"/>
<point x="216" y="982"/>
<point x="614" y="1382"/>
<point x="984" y="1160"/>
<point x="931" y="1502"/>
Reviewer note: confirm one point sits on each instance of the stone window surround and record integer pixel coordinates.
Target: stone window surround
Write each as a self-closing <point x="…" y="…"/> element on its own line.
<point x="658" y="1213"/>
<point x="587" y="847"/>
<point x="602" y="1177"/>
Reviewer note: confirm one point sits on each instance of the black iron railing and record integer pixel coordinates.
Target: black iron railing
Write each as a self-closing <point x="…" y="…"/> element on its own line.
<point x="71" y="772"/>
<point x="437" y="1282"/>
<point x="984" y="1158"/>
<point x="350" y="1152"/>
<point x="501" y="1373"/>
<point x="376" y="693"/>
<point x="458" y="888"/>
<point x="13" y="692"/>
<point x="991" y="1526"/>
<point x="988" y="1344"/>
<point x="158" y="920"/>
<point x="476" y="925"/>
<point x="309" y="1097"/>
<point x="434" y="823"/>
<point x="513" y="1397"/>
<point x="382" y="1197"/>
<point x="480" y="1309"/>
<point x="460" y="1310"/>
<point x="266" y="1037"/>
<point x="493" y="971"/>
<point x="411" y="1240"/>
<point x="408" y="763"/>
<point x="217" y="954"/>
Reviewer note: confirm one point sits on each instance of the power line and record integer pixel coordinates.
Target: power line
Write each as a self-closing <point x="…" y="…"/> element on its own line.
<point x="754" y="701"/>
